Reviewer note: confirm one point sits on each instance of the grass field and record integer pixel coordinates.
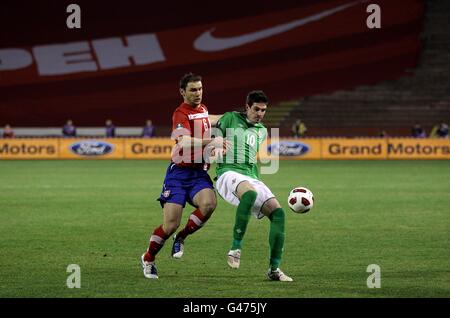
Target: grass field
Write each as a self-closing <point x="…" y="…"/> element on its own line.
<point x="99" y="214"/>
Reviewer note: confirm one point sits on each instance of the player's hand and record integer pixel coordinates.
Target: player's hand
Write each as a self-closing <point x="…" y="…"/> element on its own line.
<point x="221" y="143"/>
<point x="226" y="145"/>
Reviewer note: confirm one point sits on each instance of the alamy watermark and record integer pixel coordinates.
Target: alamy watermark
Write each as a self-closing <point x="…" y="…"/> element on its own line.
<point x="373" y="21"/>
<point x="74" y="279"/>
<point x="374" y="279"/>
<point x="73" y="21"/>
<point x="243" y="145"/>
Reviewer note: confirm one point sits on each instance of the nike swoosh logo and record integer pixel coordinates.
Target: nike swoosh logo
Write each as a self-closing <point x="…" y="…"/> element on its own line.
<point x="206" y="42"/>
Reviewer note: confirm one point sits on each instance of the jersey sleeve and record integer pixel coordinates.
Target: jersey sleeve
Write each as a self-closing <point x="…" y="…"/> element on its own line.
<point x="224" y="122"/>
<point x="180" y="121"/>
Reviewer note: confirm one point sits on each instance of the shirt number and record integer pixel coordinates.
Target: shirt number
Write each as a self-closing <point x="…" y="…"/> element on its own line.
<point x="251" y="140"/>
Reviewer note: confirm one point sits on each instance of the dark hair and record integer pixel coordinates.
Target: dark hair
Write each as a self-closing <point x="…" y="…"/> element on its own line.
<point x="256" y="97"/>
<point x="187" y="78"/>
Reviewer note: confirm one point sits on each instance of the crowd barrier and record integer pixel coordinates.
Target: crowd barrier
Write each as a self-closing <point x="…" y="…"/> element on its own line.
<point x="284" y="148"/>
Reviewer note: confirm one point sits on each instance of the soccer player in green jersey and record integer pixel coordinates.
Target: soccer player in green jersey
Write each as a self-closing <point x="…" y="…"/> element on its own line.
<point x="239" y="182"/>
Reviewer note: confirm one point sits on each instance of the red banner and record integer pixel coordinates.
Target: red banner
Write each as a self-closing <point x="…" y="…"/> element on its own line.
<point x="129" y="74"/>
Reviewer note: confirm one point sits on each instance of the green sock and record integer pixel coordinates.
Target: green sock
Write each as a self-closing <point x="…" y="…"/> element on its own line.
<point x="243" y="213"/>
<point x="276" y="237"/>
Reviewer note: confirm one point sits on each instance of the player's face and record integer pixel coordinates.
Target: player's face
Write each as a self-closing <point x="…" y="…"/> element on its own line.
<point x="192" y="95"/>
<point x="256" y="112"/>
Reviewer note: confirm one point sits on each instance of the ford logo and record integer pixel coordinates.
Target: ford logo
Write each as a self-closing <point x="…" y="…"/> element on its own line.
<point x="91" y="148"/>
<point x="288" y="148"/>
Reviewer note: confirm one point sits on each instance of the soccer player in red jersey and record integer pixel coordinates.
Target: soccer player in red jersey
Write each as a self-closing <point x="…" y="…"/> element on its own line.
<point x="187" y="179"/>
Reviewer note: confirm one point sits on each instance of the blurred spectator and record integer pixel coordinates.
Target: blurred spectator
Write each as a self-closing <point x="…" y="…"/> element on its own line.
<point x="8" y="132"/>
<point x="439" y="131"/>
<point x="69" y="129"/>
<point x="110" y="128"/>
<point x="417" y="131"/>
<point x="299" y="129"/>
<point x="149" y="129"/>
<point x="383" y="134"/>
<point x="442" y="132"/>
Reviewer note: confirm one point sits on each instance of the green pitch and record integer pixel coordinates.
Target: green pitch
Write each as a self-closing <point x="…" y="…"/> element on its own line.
<point x="99" y="214"/>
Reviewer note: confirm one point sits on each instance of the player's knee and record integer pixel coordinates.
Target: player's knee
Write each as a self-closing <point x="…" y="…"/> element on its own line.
<point x="251" y="195"/>
<point x="243" y="188"/>
<point x="170" y="227"/>
<point x="270" y="206"/>
<point x="277" y="216"/>
<point x="249" y="198"/>
<point x="247" y="202"/>
<point x="207" y="207"/>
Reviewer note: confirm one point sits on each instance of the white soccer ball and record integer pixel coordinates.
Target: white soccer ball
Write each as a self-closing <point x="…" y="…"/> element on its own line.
<point x="301" y="200"/>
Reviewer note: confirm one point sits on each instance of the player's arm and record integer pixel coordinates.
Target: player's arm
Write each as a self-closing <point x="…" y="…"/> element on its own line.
<point x="182" y="134"/>
<point x="214" y="119"/>
<point x="187" y="141"/>
<point x="217" y="142"/>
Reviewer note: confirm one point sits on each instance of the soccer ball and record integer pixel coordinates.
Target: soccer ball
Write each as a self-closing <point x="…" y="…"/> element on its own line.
<point x="301" y="200"/>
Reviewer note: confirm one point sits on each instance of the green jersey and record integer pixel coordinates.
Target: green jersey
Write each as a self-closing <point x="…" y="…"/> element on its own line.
<point x="245" y="138"/>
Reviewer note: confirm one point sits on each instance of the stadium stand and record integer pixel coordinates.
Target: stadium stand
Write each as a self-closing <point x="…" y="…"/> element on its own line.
<point x="394" y="105"/>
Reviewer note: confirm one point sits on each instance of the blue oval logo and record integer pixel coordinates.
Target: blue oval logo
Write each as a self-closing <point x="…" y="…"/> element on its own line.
<point x="288" y="148"/>
<point x="91" y="148"/>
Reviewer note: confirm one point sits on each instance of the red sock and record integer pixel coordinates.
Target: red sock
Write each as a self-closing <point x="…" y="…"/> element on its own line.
<point x="196" y="221"/>
<point x="156" y="243"/>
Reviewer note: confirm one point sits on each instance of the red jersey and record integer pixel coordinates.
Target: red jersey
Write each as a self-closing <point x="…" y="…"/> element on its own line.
<point x="193" y="122"/>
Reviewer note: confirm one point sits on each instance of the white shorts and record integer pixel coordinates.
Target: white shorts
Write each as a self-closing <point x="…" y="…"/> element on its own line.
<point x="228" y="182"/>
